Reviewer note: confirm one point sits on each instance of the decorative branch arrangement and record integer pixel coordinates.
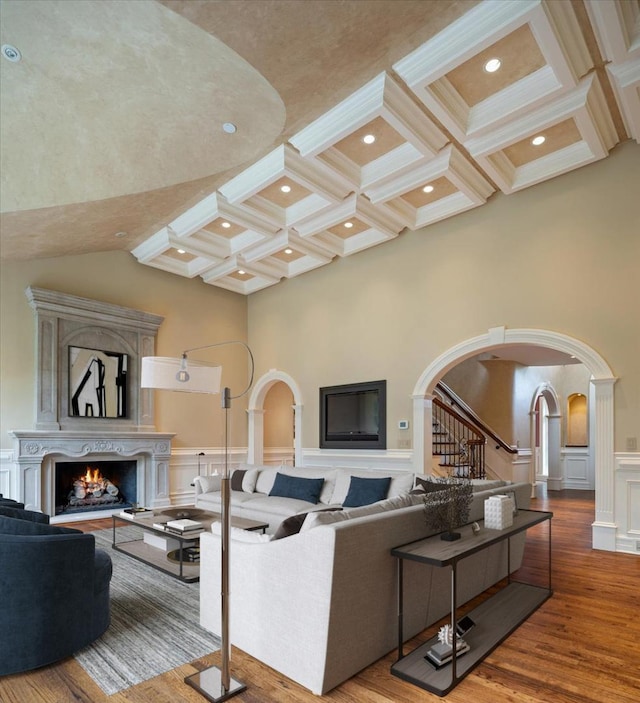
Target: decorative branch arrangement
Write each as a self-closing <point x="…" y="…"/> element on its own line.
<point x="447" y="506"/>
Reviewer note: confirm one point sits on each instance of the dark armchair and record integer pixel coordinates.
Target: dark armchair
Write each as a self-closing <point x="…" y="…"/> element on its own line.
<point x="54" y="593"/>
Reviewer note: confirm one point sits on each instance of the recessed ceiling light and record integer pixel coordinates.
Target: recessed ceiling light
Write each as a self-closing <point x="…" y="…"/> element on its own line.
<point x="285" y="189"/>
<point x="226" y="225"/>
<point x="241" y="272"/>
<point x="492" y="65"/>
<point x="288" y="251"/>
<point x="11" y="53"/>
<point x="229" y="128"/>
<point x="368" y="138"/>
<point x="120" y="235"/>
<point x="348" y="225"/>
<point x="536" y="141"/>
<point x="427" y="189"/>
<point x="181" y="251"/>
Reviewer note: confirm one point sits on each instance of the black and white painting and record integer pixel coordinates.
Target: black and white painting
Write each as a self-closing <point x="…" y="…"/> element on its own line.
<point x="98" y="383"/>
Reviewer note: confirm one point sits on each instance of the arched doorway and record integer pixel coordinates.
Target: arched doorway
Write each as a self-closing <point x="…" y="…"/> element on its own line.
<point x="603" y="380"/>
<point x="545" y="437"/>
<point x="255" y="452"/>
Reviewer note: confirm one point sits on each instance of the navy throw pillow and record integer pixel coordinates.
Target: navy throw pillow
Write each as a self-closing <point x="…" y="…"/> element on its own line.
<point x="364" y="491"/>
<point x="307" y="489"/>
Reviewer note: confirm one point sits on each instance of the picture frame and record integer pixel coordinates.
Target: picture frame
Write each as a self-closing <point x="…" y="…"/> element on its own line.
<point x="98" y="383"/>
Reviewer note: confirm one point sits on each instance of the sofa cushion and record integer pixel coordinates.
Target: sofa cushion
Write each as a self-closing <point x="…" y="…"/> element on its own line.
<point x="307" y="489"/>
<point x="320" y="517"/>
<point x="291" y="525"/>
<point x="364" y="491"/>
<point x="240" y="535"/>
<point x="274" y="505"/>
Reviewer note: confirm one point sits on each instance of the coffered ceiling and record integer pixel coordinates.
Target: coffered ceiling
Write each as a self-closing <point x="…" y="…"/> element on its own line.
<point x="249" y="141"/>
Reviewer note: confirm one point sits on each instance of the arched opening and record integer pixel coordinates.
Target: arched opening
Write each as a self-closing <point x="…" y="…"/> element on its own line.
<point x="577" y="420"/>
<point x="604" y="527"/>
<point x="279" y="425"/>
<point x="282" y="419"/>
<point x="546" y="439"/>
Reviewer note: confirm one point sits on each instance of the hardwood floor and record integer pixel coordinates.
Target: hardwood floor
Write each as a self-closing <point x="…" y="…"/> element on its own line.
<point x="581" y="646"/>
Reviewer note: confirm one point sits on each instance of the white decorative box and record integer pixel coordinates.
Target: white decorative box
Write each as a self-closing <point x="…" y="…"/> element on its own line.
<point x="498" y="512"/>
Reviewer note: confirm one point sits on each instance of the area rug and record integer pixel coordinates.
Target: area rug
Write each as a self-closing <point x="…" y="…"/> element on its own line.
<point x="154" y="624"/>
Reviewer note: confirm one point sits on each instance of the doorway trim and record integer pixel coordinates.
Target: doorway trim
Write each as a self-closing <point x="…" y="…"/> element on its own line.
<point x="604" y="527"/>
<point x="255" y="411"/>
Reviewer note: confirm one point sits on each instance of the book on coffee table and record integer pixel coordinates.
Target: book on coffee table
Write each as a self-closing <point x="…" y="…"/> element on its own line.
<point x="136" y="512"/>
<point x="184" y="525"/>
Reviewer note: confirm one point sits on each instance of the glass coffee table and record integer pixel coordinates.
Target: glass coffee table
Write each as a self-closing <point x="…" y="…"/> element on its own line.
<point x="173" y="553"/>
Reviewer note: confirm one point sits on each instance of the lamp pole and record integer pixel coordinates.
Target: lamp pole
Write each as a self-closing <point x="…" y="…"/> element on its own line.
<point x="213" y="683"/>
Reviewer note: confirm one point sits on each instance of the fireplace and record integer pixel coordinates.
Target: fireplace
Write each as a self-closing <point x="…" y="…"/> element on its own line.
<point x="40" y="453"/>
<point x="68" y="327"/>
<point x="88" y="486"/>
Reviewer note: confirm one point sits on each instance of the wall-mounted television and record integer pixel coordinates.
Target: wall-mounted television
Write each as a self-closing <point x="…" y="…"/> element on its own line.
<point x="354" y="416"/>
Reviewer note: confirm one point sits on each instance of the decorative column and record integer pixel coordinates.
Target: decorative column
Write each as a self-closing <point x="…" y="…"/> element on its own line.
<point x="604" y="528"/>
<point x="422" y="433"/>
<point x="255" y="429"/>
<point x="555" y="479"/>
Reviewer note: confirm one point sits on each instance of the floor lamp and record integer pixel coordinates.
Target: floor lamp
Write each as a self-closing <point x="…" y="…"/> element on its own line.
<point x="166" y="373"/>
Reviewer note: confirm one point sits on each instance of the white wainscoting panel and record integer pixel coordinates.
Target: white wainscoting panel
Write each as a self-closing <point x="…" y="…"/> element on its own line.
<point x="575" y="463"/>
<point x="397" y="459"/>
<point x="7" y="488"/>
<point x="627" y="502"/>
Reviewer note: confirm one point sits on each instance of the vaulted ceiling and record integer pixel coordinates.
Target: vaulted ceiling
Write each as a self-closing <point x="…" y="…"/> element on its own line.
<point x="247" y="141"/>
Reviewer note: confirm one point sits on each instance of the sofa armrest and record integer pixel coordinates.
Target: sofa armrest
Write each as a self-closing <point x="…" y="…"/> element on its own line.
<point x="207" y="484"/>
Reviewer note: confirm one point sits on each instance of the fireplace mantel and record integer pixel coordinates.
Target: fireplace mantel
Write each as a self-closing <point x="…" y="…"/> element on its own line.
<point x="36" y="452"/>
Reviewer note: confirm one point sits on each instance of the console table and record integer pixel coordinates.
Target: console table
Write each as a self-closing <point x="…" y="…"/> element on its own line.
<point x="495" y="619"/>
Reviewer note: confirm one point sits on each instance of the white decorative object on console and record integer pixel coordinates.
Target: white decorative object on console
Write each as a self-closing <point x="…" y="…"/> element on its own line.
<point x="498" y="512"/>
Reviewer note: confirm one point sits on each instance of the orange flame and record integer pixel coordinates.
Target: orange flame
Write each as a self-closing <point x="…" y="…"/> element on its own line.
<point x="90" y="477"/>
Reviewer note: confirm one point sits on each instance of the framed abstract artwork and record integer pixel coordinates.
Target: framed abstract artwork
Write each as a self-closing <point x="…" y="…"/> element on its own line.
<point x="97" y="383"/>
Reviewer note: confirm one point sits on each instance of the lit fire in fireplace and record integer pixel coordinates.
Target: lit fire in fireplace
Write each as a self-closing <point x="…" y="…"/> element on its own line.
<point x="93" y="489"/>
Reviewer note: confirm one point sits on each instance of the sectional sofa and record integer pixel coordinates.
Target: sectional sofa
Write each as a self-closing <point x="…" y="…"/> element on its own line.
<point x="299" y="490"/>
<point x="320" y="604"/>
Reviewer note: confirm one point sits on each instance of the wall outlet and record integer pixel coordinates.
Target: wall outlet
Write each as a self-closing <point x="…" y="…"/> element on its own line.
<point x="404" y="444"/>
<point x="632" y="444"/>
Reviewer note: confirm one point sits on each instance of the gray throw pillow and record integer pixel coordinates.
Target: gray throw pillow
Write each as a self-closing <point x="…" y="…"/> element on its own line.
<point x="236" y="479"/>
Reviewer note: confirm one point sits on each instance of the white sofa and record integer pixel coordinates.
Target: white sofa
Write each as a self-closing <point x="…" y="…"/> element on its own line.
<point x="255" y="503"/>
<point x="320" y="605"/>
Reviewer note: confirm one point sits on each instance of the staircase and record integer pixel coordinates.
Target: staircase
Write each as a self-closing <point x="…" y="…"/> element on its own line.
<point x="457" y="443"/>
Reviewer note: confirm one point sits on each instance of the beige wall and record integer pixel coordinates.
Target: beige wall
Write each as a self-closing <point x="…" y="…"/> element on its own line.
<point x="489" y="389"/>
<point x="561" y="256"/>
<point x="278" y="416"/>
<point x="195" y="314"/>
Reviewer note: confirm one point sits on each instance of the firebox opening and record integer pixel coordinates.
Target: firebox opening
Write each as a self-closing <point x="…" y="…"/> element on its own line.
<point x="87" y="486"/>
